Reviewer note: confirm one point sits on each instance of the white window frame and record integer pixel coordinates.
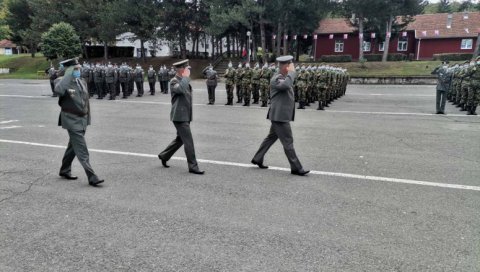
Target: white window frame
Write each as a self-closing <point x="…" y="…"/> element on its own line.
<point x="467" y="44"/>
<point x="381" y="46"/>
<point x="402" y="45"/>
<point x="367" y="46"/>
<point x="339" y="46"/>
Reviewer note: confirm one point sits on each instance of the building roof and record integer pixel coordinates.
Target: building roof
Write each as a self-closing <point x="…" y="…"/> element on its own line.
<point x="463" y="25"/>
<point x="7" y="44"/>
<point x="335" y="26"/>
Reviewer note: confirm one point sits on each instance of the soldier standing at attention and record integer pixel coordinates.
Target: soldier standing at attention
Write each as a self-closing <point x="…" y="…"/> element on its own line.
<point x="212" y="79"/>
<point x="171" y="73"/>
<point x="229" y="83"/>
<point x="75" y="116"/>
<point x="473" y="96"/>
<point x="256" y="75"/>
<point x="99" y="79"/>
<point x="117" y="79"/>
<point x="238" y="83"/>
<point x="163" y="78"/>
<point x="264" y="80"/>
<point x="181" y="116"/>
<point x="123" y="79"/>
<point x="442" y="86"/>
<point x="152" y="79"/>
<point x="281" y="112"/>
<point x="52" y="75"/>
<point x="139" y="75"/>
<point x="247" y="84"/>
<point x="110" y="76"/>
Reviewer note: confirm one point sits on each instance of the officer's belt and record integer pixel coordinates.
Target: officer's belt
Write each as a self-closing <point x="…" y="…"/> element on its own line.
<point x="77" y="113"/>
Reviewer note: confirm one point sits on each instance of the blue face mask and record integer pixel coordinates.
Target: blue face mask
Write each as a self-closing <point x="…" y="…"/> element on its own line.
<point x="76" y="73"/>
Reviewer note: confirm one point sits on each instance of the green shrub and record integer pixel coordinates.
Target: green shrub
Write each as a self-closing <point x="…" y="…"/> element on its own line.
<point x="452" y="56"/>
<point x="391" y="57"/>
<point x="336" y="58"/>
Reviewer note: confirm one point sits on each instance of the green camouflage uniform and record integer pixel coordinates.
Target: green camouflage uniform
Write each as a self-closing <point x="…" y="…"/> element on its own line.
<point x="229" y="84"/>
<point x="247" y="86"/>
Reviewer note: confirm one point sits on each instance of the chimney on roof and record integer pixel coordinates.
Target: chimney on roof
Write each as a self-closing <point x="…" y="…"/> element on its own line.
<point x="449" y="20"/>
<point x="465" y="15"/>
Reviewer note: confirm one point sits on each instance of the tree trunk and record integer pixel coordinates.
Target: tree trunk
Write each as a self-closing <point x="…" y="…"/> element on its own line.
<point x="285" y="43"/>
<point x="220" y="41"/>
<point x="85" y="52"/>
<point x="228" y="46"/>
<point x="33" y="49"/>
<point x="105" y="51"/>
<point x="262" y="40"/>
<point x="279" y="41"/>
<point x="213" y="47"/>
<point x="183" y="47"/>
<point x="387" y="39"/>
<point x="193" y="46"/>
<point x="142" y="50"/>
<point x="198" y="42"/>
<point x="360" y="37"/>
<point x="477" y="47"/>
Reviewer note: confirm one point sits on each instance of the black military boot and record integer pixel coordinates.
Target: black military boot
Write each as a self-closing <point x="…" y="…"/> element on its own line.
<point x="264" y="104"/>
<point x="320" y="105"/>
<point x="474" y="110"/>
<point x="301" y="105"/>
<point x="469" y="108"/>
<point x="463" y="107"/>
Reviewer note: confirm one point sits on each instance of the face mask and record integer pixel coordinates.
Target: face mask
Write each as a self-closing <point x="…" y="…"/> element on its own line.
<point x="230" y="66"/>
<point x="76" y="73"/>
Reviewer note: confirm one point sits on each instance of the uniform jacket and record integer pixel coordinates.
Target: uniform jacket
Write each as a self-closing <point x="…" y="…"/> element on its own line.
<point x="73" y="100"/>
<point x="212" y="78"/>
<point x="181" y="92"/>
<point x="444" y="78"/>
<point x="282" y="108"/>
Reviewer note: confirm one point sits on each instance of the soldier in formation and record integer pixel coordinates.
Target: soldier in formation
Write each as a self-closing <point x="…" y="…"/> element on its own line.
<point x="229" y="83"/>
<point x="238" y="83"/>
<point x="464" y="90"/>
<point x="163" y="79"/>
<point x="212" y="79"/>
<point x="152" y="79"/>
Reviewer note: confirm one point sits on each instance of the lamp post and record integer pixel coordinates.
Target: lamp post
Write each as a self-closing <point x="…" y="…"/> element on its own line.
<point x="249" y="34"/>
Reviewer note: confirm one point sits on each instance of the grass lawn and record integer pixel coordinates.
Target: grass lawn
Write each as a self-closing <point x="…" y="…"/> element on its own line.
<point x="26" y="67"/>
<point x="397" y="68"/>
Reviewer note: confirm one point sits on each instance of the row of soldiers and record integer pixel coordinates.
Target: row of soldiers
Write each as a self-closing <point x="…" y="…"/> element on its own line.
<point x="110" y="79"/>
<point x="464" y="90"/>
<point x="313" y="83"/>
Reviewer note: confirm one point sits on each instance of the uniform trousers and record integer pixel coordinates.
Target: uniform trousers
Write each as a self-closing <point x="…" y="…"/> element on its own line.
<point x="184" y="137"/>
<point x="441" y="100"/>
<point x="77" y="147"/>
<point x="282" y="131"/>
<point x="211" y="94"/>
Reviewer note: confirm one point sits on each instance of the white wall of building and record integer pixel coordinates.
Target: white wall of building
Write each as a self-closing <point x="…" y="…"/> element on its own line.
<point x="163" y="48"/>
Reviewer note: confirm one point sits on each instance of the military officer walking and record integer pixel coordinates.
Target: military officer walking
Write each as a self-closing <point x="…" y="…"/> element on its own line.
<point x="181" y="116"/>
<point x="281" y="112"/>
<point x="75" y="116"/>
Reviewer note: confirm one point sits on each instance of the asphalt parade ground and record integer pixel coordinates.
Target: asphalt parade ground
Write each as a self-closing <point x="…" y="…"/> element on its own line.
<point x="393" y="187"/>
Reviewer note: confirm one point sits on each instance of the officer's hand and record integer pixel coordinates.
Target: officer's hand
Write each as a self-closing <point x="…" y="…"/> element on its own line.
<point x="291" y="67"/>
<point x="186" y="72"/>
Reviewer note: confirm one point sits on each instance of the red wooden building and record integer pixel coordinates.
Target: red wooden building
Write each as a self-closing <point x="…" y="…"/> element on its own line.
<point x="429" y="34"/>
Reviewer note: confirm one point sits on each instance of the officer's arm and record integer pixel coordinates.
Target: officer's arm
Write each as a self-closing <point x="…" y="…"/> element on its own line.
<point x="182" y="86"/>
<point x="284" y="83"/>
<point x="62" y="83"/>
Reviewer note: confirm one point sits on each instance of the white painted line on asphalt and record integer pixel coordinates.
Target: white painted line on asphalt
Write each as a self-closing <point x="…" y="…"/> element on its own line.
<point x="7" y="122"/>
<point x="377" y="94"/>
<point x="401" y="113"/>
<point x="244" y="165"/>
<point x="22" y="96"/>
<point x="260" y="108"/>
<point x="10" y="127"/>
